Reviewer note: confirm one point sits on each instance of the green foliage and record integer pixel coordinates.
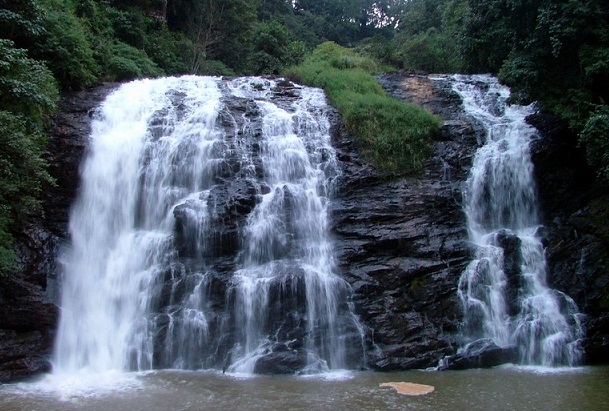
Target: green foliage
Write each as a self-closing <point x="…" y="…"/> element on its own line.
<point x="171" y="51"/>
<point x="429" y="36"/>
<point x="28" y="94"/>
<point x="215" y="68"/>
<point x="21" y="22"/>
<point x="154" y="49"/>
<point x="26" y="85"/>
<point x="553" y="52"/>
<point x="379" y="47"/>
<point x="333" y="55"/>
<point x="66" y="49"/>
<point x="218" y="29"/>
<point x="595" y="135"/>
<point x="128" y="26"/>
<point x="393" y="135"/>
<point x="7" y="253"/>
<point x="273" y="49"/>
<point x="425" y="51"/>
<point x="125" y="62"/>
<point x="22" y="169"/>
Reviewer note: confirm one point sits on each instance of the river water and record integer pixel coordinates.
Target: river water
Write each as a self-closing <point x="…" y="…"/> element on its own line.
<point x="506" y="388"/>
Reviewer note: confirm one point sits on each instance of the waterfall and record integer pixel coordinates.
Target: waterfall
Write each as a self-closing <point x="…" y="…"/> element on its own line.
<point x="199" y="238"/>
<point x="504" y="293"/>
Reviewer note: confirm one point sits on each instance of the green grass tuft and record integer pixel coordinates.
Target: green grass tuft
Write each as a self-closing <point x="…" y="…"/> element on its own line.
<point x="394" y="136"/>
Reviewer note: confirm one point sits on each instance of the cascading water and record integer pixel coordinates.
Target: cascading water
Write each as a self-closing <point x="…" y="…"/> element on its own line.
<point x="199" y="237"/>
<point x="503" y="291"/>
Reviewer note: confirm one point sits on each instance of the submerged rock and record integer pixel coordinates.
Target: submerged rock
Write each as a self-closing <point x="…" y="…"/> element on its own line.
<point x="483" y="353"/>
<point x="409" y="388"/>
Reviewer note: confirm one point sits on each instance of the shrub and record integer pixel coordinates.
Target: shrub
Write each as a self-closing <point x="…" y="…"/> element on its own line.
<point x="171" y="51"/>
<point x="28" y="94"/>
<point x="393" y="135"/>
<point x="124" y="62"/>
<point x="273" y="49"/>
<point x="22" y="174"/>
<point x="595" y="136"/>
<point x="429" y="51"/>
<point x="330" y="53"/>
<point x="66" y="50"/>
<point x="215" y="68"/>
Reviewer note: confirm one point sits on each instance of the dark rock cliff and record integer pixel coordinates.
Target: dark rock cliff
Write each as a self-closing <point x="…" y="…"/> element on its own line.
<point x="401" y="243"/>
<point x="575" y="208"/>
<point x="28" y="315"/>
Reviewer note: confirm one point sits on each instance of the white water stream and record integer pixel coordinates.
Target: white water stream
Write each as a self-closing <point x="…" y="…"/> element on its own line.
<point x="130" y="301"/>
<point x="511" y="306"/>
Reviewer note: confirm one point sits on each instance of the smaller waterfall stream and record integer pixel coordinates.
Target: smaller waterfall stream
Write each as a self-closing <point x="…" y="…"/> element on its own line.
<point x="503" y="291"/>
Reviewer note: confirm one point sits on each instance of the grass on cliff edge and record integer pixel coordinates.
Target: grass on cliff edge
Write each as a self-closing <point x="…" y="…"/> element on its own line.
<point x="394" y="136"/>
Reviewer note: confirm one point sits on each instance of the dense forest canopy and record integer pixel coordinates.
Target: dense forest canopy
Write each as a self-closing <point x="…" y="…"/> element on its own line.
<point x="555" y="52"/>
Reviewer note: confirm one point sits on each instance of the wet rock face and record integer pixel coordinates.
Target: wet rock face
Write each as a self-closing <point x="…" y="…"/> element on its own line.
<point x="575" y="208"/>
<point x="402" y="244"/>
<point x="28" y="315"/>
<point x="483" y="353"/>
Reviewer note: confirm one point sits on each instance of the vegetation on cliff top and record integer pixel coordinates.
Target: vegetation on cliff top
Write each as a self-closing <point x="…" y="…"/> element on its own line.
<point x="393" y="135"/>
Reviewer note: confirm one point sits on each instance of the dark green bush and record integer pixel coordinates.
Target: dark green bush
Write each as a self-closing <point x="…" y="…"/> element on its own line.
<point x="66" y="49"/>
<point x="124" y="62"/>
<point x="215" y="68"/>
<point x="27" y="87"/>
<point x="393" y="135"/>
<point x="425" y="51"/>
<point x="595" y="136"/>
<point x="273" y="49"/>
<point x="28" y="95"/>
<point x="171" y="51"/>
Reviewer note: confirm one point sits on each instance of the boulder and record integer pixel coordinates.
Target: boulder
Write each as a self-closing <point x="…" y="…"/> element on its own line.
<point x="483" y="353"/>
<point x="281" y="362"/>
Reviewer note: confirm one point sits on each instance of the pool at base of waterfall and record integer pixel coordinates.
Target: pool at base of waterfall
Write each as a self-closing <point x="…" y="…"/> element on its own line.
<point x="504" y="388"/>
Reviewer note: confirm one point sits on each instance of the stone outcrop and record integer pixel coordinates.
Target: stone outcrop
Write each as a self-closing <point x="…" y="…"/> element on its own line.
<point x="28" y="313"/>
<point x="402" y="243"/>
<point x="576" y="211"/>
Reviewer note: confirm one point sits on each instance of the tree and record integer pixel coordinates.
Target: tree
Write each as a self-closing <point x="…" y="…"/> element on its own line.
<point x="28" y="95"/>
<point x="554" y="52"/>
<point x="429" y="35"/>
<point x="218" y="29"/>
<point x="21" y="22"/>
<point x="274" y="9"/>
<point x="273" y="49"/>
<point x="595" y="136"/>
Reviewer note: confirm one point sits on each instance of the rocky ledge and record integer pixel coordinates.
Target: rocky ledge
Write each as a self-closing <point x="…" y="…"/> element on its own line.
<point x="402" y="243"/>
<point x="28" y="314"/>
<point x="575" y="208"/>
